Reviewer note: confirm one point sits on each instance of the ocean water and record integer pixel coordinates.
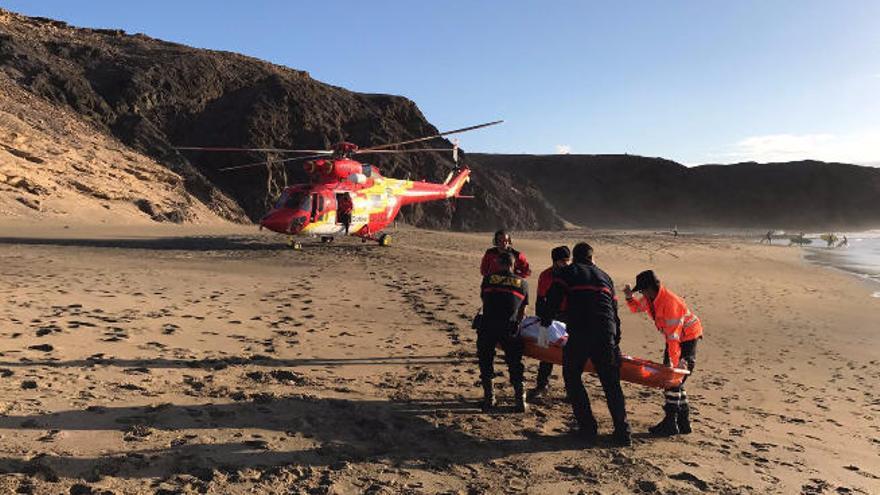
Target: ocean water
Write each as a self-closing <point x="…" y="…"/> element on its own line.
<point x="861" y="257"/>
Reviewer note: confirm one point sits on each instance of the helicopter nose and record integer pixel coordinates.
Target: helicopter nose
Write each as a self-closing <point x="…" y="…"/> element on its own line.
<point x="279" y="221"/>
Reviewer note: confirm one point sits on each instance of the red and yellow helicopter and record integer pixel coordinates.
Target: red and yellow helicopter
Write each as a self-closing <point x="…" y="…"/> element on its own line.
<point x="347" y="197"/>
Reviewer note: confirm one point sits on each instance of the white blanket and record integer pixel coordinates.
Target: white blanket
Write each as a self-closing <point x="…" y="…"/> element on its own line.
<point x="531" y="328"/>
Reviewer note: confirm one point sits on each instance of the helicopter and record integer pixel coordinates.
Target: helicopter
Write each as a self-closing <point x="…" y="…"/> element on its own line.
<point x="345" y="197"/>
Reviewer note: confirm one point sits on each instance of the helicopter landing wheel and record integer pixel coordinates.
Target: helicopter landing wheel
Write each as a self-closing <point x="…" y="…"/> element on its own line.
<point x="326" y="239"/>
<point x="294" y="244"/>
<point x="384" y="240"/>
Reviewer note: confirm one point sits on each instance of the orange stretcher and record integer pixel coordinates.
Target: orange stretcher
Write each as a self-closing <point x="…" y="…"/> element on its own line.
<point x="635" y="370"/>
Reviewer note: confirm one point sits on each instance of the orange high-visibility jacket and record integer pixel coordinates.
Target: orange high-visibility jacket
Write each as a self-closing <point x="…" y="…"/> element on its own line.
<point x="672" y="318"/>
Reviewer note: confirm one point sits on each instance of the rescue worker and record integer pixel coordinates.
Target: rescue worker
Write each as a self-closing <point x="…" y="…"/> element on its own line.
<point x="682" y="329"/>
<point x="505" y="296"/>
<point x="344" y="208"/>
<point x="503" y="244"/>
<point x="593" y="334"/>
<point x="561" y="257"/>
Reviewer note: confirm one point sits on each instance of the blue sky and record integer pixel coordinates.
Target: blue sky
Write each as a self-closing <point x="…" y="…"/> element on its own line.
<point x="694" y="81"/>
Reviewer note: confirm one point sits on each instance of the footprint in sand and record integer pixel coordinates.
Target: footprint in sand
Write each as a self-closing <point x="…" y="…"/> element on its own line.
<point x="692" y="479"/>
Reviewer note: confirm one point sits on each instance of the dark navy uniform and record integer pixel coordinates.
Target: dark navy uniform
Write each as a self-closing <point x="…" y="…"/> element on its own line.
<point x="545" y="280"/>
<point x="593" y="333"/>
<point x="505" y="297"/>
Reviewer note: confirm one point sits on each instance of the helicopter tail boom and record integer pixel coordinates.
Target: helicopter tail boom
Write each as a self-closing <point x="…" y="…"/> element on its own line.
<point x="428" y="191"/>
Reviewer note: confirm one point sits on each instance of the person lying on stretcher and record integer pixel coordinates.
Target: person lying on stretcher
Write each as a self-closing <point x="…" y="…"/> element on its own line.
<point x="553" y="335"/>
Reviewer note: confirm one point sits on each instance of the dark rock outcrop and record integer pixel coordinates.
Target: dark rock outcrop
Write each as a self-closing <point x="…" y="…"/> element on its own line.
<point x="639" y="192"/>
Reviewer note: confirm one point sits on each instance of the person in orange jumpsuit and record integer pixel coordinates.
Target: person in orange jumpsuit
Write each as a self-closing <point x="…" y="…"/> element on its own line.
<point x="682" y="330"/>
<point x="503" y="244"/>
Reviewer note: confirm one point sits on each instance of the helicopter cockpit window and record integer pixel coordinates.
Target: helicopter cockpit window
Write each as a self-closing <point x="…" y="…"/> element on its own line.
<point x="295" y="201"/>
<point x="281" y="200"/>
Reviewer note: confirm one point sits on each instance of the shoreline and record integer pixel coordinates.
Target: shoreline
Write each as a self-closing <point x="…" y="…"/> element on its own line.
<point x="860" y="259"/>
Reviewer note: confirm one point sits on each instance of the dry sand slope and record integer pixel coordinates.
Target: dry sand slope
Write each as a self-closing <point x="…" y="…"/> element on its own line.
<point x="54" y="165"/>
<point x="227" y="364"/>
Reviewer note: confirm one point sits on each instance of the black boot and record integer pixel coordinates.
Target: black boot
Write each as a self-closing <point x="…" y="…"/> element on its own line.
<point x="488" y="402"/>
<point x="684" y="420"/>
<point x="586" y="434"/>
<point x="537" y="394"/>
<point x="519" y="399"/>
<point x="621" y="438"/>
<point x="669" y="425"/>
<point x="542" y="384"/>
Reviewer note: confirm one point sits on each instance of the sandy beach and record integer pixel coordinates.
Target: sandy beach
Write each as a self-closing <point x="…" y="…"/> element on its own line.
<point x="215" y="360"/>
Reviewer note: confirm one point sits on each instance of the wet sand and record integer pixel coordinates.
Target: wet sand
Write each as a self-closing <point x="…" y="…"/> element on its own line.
<point x="172" y="360"/>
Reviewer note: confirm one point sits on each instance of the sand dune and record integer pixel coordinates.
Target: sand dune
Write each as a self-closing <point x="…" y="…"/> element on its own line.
<point x="216" y="361"/>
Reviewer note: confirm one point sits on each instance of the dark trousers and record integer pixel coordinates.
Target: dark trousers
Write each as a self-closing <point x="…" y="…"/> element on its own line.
<point x="544" y="372"/>
<point x="606" y="360"/>
<point x="345" y="220"/>
<point x="676" y="398"/>
<point x="512" y="346"/>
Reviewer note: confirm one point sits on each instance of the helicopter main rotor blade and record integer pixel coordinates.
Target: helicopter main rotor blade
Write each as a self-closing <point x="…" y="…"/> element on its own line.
<point x="427" y="138"/>
<point x="264" y="162"/>
<point x="263" y="150"/>
<point x="414" y="150"/>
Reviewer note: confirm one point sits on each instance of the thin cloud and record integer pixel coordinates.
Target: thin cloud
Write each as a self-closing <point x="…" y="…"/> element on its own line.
<point x="563" y="149"/>
<point x="861" y="147"/>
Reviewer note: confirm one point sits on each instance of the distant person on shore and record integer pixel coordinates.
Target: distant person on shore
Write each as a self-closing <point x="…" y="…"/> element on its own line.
<point x="767" y="237"/>
<point x="593" y="335"/>
<point x="830" y="239"/>
<point x="682" y="329"/>
<point x="561" y="257"/>
<point x="505" y="296"/>
<point x="675" y="231"/>
<point x="503" y="244"/>
<point x="844" y="242"/>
